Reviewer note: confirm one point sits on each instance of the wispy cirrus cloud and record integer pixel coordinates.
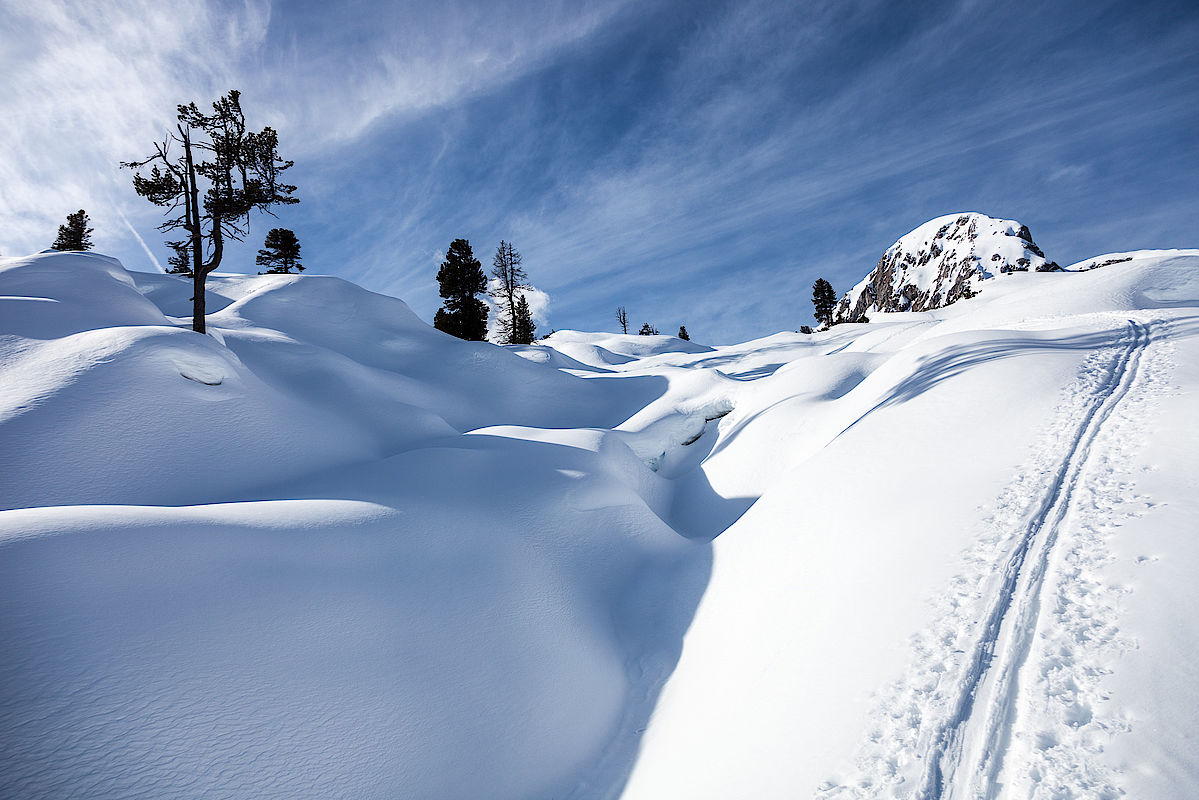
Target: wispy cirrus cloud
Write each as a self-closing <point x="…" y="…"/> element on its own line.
<point x="799" y="166"/>
<point x="89" y="85"/>
<point x="338" y="70"/>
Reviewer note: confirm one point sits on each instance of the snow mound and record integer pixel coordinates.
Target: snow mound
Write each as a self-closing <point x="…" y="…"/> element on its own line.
<point x="33" y="290"/>
<point x="614" y="349"/>
<point x="300" y="373"/>
<point x="307" y="581"/>
<point x="540" y="354"/>
<point x="941" y="262"/>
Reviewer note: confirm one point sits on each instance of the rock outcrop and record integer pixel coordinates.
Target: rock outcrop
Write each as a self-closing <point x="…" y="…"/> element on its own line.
<point x="942" y="262"/>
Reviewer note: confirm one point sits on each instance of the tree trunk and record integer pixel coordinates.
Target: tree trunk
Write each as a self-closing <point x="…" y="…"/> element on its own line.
<point x="198" y="302"/>
<point x="193" y="227"/>
<point x="512" y="329"/>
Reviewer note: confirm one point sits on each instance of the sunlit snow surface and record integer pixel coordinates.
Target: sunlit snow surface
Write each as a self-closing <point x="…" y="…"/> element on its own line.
<point x="328" y="551"/>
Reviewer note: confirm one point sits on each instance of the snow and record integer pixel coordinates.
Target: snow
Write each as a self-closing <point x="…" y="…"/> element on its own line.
<point x="330" y="551"/>
<point x="931" y="266"/>
<point x="615" y="349"/>
<point x="844" y="611"/>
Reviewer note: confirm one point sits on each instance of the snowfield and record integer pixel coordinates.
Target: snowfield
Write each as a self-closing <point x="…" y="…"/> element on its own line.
<point x="328" y="551"/>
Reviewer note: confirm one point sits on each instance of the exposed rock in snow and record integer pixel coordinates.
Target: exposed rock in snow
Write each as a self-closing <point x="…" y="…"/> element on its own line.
<point x="941" y="262"/>
<point x="1107" y="262"/>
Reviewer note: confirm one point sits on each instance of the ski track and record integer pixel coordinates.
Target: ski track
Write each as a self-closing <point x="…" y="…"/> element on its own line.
<point x="984" y="678"/>
<point x="1061" y="722"/>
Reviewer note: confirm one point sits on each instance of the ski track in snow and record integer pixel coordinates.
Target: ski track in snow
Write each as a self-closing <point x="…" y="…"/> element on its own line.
<point x="1025" y="632"/>
<point x="1061" y="723"/>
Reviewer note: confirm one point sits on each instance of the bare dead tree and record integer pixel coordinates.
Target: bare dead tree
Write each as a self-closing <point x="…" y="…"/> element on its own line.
<point x="506" y="269"/>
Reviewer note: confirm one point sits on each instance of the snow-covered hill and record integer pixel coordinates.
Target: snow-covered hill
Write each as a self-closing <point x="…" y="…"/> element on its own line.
<point x="330" y="551"/>
<point x="941" y="262"/>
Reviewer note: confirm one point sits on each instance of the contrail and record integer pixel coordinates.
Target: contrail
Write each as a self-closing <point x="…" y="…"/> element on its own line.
<point x="140" y="240"/>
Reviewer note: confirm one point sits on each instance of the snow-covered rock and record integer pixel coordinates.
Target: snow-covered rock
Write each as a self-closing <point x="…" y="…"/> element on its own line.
<point x="941" y="262"/>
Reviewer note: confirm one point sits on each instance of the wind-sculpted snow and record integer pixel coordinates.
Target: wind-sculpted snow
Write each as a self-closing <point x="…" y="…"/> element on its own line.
<point x="328" y="551"/>
<point x="36" y="295"/>
<point x="612" y="349"/>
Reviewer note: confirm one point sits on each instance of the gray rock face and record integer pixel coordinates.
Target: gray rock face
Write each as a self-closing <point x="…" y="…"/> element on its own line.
<point x="942" y="262"/>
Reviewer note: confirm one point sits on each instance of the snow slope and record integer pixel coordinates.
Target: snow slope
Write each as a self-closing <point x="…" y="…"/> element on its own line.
<point x="330" y="551"/>
<point x="937" y="598"/>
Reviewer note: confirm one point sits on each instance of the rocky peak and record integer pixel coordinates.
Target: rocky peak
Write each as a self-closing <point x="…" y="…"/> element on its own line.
<point x="941" y="262"/>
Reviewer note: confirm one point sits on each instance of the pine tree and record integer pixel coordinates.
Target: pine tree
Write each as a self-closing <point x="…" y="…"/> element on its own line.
<point x="524" y="330"/>
<point x="510" y="278"/>
<point x="647" y="330"/>
<point x="461" y="280"/>
<point x="824" y="300"/>
<point x="180" y="262"/>
<point x="75" y="235"/>
<point x="211" y="199"/>
<point x="622" y="317"/>
<point x="683" y="333"/>
<point x="281" y="252"/>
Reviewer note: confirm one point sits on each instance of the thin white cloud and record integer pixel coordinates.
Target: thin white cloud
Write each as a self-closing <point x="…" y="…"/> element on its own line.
<point x="345" y="69"/>
<point x="1070" y="172"/>
<point x="133" y="232"/>
<point x="88" y="85"/>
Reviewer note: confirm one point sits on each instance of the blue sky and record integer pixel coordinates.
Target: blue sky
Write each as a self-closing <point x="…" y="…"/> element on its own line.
<point x="699" y="163"/>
